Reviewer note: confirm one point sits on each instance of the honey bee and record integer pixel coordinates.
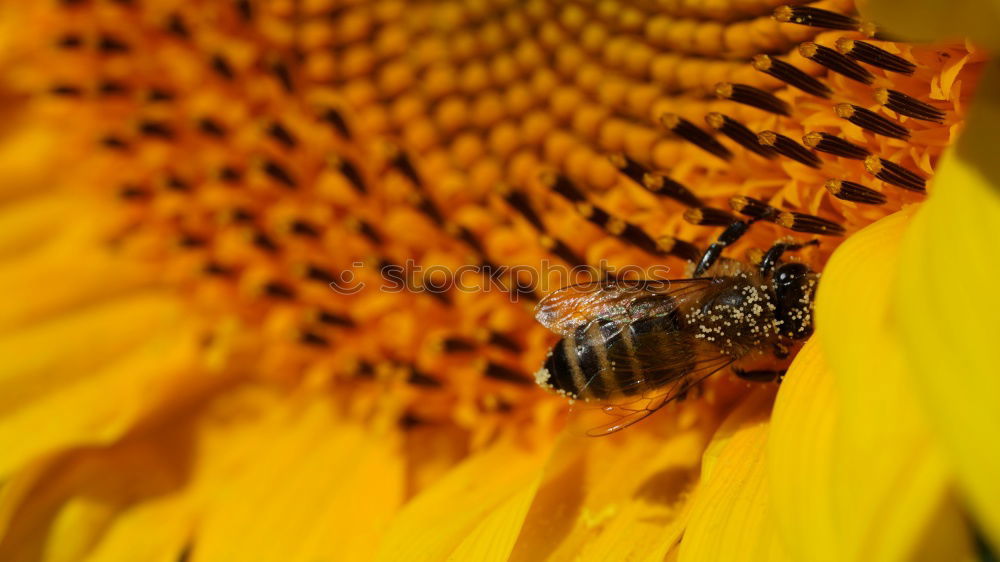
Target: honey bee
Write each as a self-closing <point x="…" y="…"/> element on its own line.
<point x="634" y="346"/>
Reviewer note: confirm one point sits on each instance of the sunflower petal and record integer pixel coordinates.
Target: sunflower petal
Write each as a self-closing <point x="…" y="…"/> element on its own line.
<point x="890" y="480"/>
<point x="482" y="499"/>
<point x="932" y="19"/>
<point x="730" y="513"/>
<point x="948" y="309"/>
<point x="800" y="457"/>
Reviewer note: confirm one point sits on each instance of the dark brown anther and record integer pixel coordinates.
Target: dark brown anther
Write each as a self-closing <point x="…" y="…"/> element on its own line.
<point x="739" y="133"/>
<point x="69" y="41"/>
<point x="159" y="95"/>
<point x="156" y="129"/>
<point x="632" y="169"/>
<point x="465" y="235"/>
<point x="284" y="75"/>
<point x="221" y="67"/>
<point x="211" y="127"/>
<point x="801" y="222"/>
<point x="191" y="241"/>
<point x="562" y="251"/>
<point x="708" y="216"/>
<point x="698" y="137"/>
<point x="114" y="142"/>
<point x="176" y="25"/>
<point x="365" y="228"/>
<point x="230" y="174"/>
<point x="894" y="174"/>
<point x="825" y="142"/>
<point x="662" y="185"/>
<point x="561" y="185"/>
<point x="317" y="273"/>
<point x="791" y="75"/>
<point x="634" y="235"/>
<point x="455" y="344"/>
<point x="419" y="378"/>
<point x="264" y="242"/>
<point x="133" y="193"/>
<point x="754" y="208"/>
<point x="429" y="209"/>
<point x="334" y="319"/>
<point x="502" y="341"/>
<point x="908" y="105"/>
<point x="499" y="372"/>
<point x="65" y="90"/>
<point x="175" y="183"/>
<point x="875" y="56"/>
<point x="241" y="215"/>
<point x="871" y="121"/>
<point x="680" y="248"/>
<point x="215" y="268"/>
<point x="313" y="339"/>
<point x="349" y="171"/>
<point x="278" y="132"/>
<point x="279" y="174"/>
<point x="112" y="88"/>
<point x="815" y="17"/>
<point x="855" y="192"/>
<point x="837" y="62"/>
<point x="278" y="290"/>
<point x="302" y="228"/>
<point x="519" y="201"/>
<point x="401" y="161"/>
<point x="245" y="9"/>
<point x="789" y="148"/>
<point x="333" y="117"/>
<point x="111" y="45"/>
<point x="754" y="97"/>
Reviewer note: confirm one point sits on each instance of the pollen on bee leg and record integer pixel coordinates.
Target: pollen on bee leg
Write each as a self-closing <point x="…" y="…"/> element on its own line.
<point x="739" y="133"/>
<point x="908" y="105"/>
<point x="855" y="192"/>
<point x="815" y="17"/>
<point x="789" y="148"/>
<point x="875" y="56"/>
<point x="831" y="144"/>
<point x="754" y="97"/>
<point x="696" y="136"/>
<point x="894" y="174"/>
<point x="871" y="121"/>
<point x="791" y="75"/>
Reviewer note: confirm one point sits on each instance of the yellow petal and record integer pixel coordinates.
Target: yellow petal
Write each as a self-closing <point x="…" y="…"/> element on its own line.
<point x="949" y="310"/>
<point x="730" y="512"/>
<point x="890" y="480"/>
<point x="800" y="458"/>
<point x="306" y="486"/>
<point x="933" y="19"/>
<point x="48" y="409"/>
<point x="482" y="498"/>
<point x="622" y="497"/>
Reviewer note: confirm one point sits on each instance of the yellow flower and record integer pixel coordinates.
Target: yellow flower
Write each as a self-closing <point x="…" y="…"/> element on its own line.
<point x="183" y="181"/>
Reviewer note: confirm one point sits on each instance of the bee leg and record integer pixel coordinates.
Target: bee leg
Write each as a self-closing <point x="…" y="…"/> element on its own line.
<point x="764" y="375"/>
<point x="774" y="254"/>
<point x="731" y="234"/>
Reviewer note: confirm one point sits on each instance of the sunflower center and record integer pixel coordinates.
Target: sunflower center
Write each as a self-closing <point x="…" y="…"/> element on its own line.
<point x="289" y="162"/>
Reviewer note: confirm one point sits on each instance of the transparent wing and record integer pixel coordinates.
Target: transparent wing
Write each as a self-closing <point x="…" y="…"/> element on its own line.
<point x="619" y="414"/>
<point x="618" y="301"/>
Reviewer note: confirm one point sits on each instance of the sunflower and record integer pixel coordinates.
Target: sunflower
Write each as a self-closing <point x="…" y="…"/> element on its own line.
<point x="233" y="329"/>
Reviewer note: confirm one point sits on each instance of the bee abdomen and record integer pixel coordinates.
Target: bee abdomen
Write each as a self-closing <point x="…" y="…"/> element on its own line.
<point x="578" y="366"/>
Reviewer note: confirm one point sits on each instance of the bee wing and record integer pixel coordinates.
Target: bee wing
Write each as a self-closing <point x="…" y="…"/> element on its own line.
<point x="618" y="301"/>
<point x="629" y="410"/>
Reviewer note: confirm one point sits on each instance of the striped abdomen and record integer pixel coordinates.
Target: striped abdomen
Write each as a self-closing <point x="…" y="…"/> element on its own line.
<point x="601" y="362"/>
